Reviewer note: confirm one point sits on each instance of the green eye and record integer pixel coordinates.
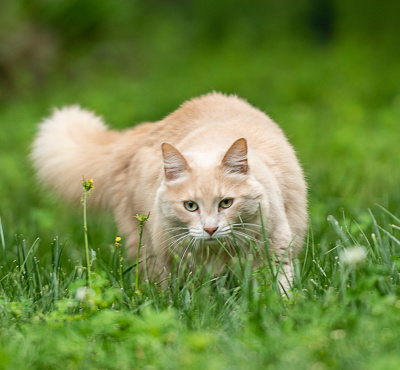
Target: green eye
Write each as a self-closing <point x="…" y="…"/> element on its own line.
<point x="226" y="203"/>
<point x="191" y="206"/>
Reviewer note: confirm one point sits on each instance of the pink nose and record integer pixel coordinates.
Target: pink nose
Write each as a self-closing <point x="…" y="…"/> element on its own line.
<point x="210" y="230"/>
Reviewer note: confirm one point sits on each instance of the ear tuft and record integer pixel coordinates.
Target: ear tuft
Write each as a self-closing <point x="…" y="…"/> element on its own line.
<point x="235" y="159"/>
<point x="175" y="164"/>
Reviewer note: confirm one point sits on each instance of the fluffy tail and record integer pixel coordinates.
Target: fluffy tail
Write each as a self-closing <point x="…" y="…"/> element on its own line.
<point x="70" y="144"/>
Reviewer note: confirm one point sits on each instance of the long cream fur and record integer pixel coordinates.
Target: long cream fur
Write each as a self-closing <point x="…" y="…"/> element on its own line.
<point x="188" y="156"/>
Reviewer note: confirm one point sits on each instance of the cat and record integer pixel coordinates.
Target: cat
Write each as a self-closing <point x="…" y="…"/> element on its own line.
<point x="205" y="172"/>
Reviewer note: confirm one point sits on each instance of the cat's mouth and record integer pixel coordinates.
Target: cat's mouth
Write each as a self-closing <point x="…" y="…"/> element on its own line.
<point x="215" y="238"/>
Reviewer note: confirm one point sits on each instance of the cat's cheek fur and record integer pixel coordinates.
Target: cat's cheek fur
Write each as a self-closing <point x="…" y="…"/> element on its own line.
<point x="254" y="198"/>
<point x="169" y="217"/>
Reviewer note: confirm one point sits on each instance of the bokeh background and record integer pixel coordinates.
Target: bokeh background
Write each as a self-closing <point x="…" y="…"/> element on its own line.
<point x="328" y="71"/>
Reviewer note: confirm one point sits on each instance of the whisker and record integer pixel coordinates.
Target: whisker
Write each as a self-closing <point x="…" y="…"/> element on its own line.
<point x="244" y="235"/>
<point x="172" y="245"/>
<point x="183" y="256"/>
<point x="240" y="240"/>
<point x="168" y="231"/>
<point x="173" y="237"/>
<point x="230" y="246"/>
<point x="195" y="248"/>
<point x="244" y="224"/>
<point x="237" y="228"/>
<point x="176" y="242"/>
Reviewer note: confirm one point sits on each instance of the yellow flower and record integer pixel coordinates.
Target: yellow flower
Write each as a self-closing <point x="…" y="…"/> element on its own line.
<point x="118" y="239"/>
<point x="87" y="184"/>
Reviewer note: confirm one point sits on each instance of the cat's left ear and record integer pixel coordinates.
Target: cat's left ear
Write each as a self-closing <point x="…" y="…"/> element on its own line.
<point x="235" y="159"/>
<point x="175" y="164"/>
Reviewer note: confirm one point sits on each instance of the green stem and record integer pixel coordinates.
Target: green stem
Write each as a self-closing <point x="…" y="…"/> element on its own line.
<point x="142" y="220"/>
<point x="89" y="279"/>
<point x="138" y="255"/>
<point x="121" y="281"/>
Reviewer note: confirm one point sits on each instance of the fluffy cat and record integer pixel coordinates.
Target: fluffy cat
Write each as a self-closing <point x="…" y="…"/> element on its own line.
<point x="204" y="172"/>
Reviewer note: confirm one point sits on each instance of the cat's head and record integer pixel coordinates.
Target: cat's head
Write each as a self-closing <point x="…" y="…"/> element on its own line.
<point x="205" y="196"/>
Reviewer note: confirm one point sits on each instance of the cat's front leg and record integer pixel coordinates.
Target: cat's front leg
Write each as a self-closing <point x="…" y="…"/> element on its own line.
<point x="282" y="241"/>
<point x="285" y="276"/>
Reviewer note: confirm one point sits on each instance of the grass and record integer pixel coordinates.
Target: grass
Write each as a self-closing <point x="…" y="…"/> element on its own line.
<point x="339" y="105"/>
<point x="343" y="311"/>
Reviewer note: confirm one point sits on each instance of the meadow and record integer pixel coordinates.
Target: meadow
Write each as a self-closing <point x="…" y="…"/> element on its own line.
<point x="335" y="93"/>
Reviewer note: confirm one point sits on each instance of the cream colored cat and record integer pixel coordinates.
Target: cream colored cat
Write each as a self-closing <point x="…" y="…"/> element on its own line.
<point x="204" y="172"/>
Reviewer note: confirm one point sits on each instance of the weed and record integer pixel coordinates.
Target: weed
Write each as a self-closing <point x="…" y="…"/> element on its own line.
<point x="87" y="188"/>
<point x="142" y="219"/>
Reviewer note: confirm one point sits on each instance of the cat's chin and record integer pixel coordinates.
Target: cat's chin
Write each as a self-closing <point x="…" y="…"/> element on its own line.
<point x="210" y="241"/>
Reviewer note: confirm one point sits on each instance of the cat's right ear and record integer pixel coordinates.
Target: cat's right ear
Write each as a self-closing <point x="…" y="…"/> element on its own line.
<point x="175" y="164"/>
<point x="235" y="159"/>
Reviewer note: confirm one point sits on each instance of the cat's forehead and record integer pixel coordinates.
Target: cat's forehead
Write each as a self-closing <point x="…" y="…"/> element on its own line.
<point x="208" y="182"/>
<point x="206" y="179"/>
<point x="204" y="159"/>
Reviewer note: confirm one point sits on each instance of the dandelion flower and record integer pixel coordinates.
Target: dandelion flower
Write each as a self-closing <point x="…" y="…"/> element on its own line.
<point x="353" y="256"/>
<point x="81" y="293"/>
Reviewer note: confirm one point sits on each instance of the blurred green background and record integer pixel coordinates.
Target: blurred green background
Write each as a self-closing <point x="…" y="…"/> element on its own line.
<point x="327" y="71"/>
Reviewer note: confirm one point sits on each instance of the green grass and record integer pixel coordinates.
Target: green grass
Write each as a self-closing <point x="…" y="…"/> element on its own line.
<point x="343" y="313"/>
<point x="339" y="104"/>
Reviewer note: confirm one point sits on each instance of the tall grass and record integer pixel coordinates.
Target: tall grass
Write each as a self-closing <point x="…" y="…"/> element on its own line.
<point x="230" y="319"/>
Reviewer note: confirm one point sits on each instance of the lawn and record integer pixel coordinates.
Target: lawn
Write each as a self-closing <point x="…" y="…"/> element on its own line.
<point x="336" y="94"/>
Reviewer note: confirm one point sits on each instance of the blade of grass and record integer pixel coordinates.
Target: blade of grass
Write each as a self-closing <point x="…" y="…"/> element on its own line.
<point x="3" y="243"/>
<point x="274" y="276"/>
<point x="389" y="213"/>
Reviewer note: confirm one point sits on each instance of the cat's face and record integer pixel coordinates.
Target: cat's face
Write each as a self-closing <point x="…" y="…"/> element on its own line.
<point x="203" y="200"/>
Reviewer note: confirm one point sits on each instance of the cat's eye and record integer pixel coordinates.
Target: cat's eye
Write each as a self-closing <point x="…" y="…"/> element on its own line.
<point x="226" y="203"/>
<point x="191" y="206"/>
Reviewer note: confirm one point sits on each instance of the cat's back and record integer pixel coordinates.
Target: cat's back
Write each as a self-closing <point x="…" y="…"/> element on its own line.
<point x="214" y="108"/>
<point x="215" y="118"/>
